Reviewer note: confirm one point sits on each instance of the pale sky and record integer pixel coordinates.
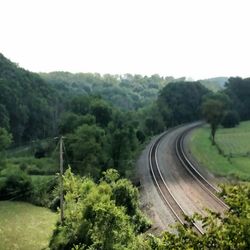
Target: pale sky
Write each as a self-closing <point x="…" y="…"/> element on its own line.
<point x="193" y="38"/>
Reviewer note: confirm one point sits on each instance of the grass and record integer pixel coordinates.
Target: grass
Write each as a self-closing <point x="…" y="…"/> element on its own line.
<point x="24" y="226"/>
<point x="32" y="165"/>
<point x="235" y="145"/>
<point x="235" y="141"/>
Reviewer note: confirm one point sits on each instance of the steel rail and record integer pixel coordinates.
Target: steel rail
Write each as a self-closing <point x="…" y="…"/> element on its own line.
<point x="162" y="187"/>
<point x="192" y="170"/>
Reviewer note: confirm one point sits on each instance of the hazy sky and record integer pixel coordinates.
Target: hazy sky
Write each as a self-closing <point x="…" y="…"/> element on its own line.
<point x="197" y="38"/>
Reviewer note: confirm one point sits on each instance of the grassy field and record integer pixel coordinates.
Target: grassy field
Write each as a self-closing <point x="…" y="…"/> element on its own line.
<point x="234" y="143"/>
<point x="25" y="226"/>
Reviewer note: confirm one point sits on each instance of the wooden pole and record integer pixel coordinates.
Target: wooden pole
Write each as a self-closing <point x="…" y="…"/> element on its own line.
<point x="61" y="179"/>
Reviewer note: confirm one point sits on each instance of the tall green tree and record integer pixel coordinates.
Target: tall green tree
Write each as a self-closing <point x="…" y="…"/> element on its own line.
<point x="180" y="102"/>
<point x="213" y="109"/>
<point x="5" y="139"/>
<point x="239" y="91"/>
<point x="86" y="149"/>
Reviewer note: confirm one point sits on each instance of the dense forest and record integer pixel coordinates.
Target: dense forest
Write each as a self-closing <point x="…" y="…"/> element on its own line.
<point x="123" y="91"/>
<point x="27" y="103"/>
<point x="106" y="121"/>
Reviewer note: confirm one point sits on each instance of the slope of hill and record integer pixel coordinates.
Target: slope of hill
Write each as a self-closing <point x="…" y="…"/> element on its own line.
<point x="126" y="92"/>
<point x="26" y="102"/>
<point x="30" y="103"/>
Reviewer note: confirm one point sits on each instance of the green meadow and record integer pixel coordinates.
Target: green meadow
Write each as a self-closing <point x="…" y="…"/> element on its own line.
<point x="230" y="157"/>
<point x="24" y="226"/>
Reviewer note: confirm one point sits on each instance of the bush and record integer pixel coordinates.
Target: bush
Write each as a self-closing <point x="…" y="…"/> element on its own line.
<point x="17" y="185"/>
<point x="34" y="170"/>
<point x="99" y="216"/>
<point x="42" y="191"/>
<point x="230" y="119"/>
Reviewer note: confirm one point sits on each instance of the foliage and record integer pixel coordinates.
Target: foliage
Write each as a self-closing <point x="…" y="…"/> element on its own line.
<point x="5" y="139"/>
<point x="230" y="231"/>
<point x="95" y="215"/>
<point x="122" y="142"/>
<point x="85" y="148"/>
<point x="34" y="166"/>
<point x="17" y="185"/>
<point x="99" y="136"/>
<point x="213" y="109"/>
<point x="43" y="191"/>
<point x="27" y="103"/>
<point x="180" y="102"/>
<point x="239" y="91"/>
<point x="230" y="119"/>
<point x="127" y="92"/>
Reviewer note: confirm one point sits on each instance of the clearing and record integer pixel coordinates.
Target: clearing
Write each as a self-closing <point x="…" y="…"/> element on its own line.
<point x="231" y="156"/>
<point x="25" y="226"/>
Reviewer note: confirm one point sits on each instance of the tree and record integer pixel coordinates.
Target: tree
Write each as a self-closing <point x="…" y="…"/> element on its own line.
<point x="213" y="111"/>
<point x="27" y="103"/>
<point x="5" y="139"/>
<point x="94" y="219"/>
<point x="17" y="185"/>
<point x="239" y="91"/>
<point x="86" y="148"/>
<point x="102" y="112"/>
<point x="180" y="102"/>
<point x="122" y="142"/>
<point x="230" y="119"/>
<point x="4" y="117"/>
<point x="69" y="122"/>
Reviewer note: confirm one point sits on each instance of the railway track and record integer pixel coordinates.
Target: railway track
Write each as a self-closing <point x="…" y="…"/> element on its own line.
<point x="187" y="164"/>
<point x="163" y="189"/>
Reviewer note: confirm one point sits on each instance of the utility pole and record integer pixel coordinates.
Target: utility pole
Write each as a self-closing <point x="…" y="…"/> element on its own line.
<point x="61" y="178"/>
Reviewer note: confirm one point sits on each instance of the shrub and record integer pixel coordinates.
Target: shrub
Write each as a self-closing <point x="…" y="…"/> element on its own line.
<point x="17" y="185"/>
<point x="42" y="191"/>
<point x="99" y="216"/>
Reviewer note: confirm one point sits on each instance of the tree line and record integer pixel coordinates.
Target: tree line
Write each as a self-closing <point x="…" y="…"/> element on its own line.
<point x="99" y="132"/>
<point x="102" y="131"/>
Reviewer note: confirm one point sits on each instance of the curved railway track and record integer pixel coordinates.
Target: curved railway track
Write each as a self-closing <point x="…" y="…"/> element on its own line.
<point x="188" y="165"/>
<point x="162" y="187"/>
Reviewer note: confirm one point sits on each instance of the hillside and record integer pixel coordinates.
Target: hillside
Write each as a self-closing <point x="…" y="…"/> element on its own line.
<point x="126" y="91"/>
<point x="27" y="103"/>
<point x="30" y="103"/>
